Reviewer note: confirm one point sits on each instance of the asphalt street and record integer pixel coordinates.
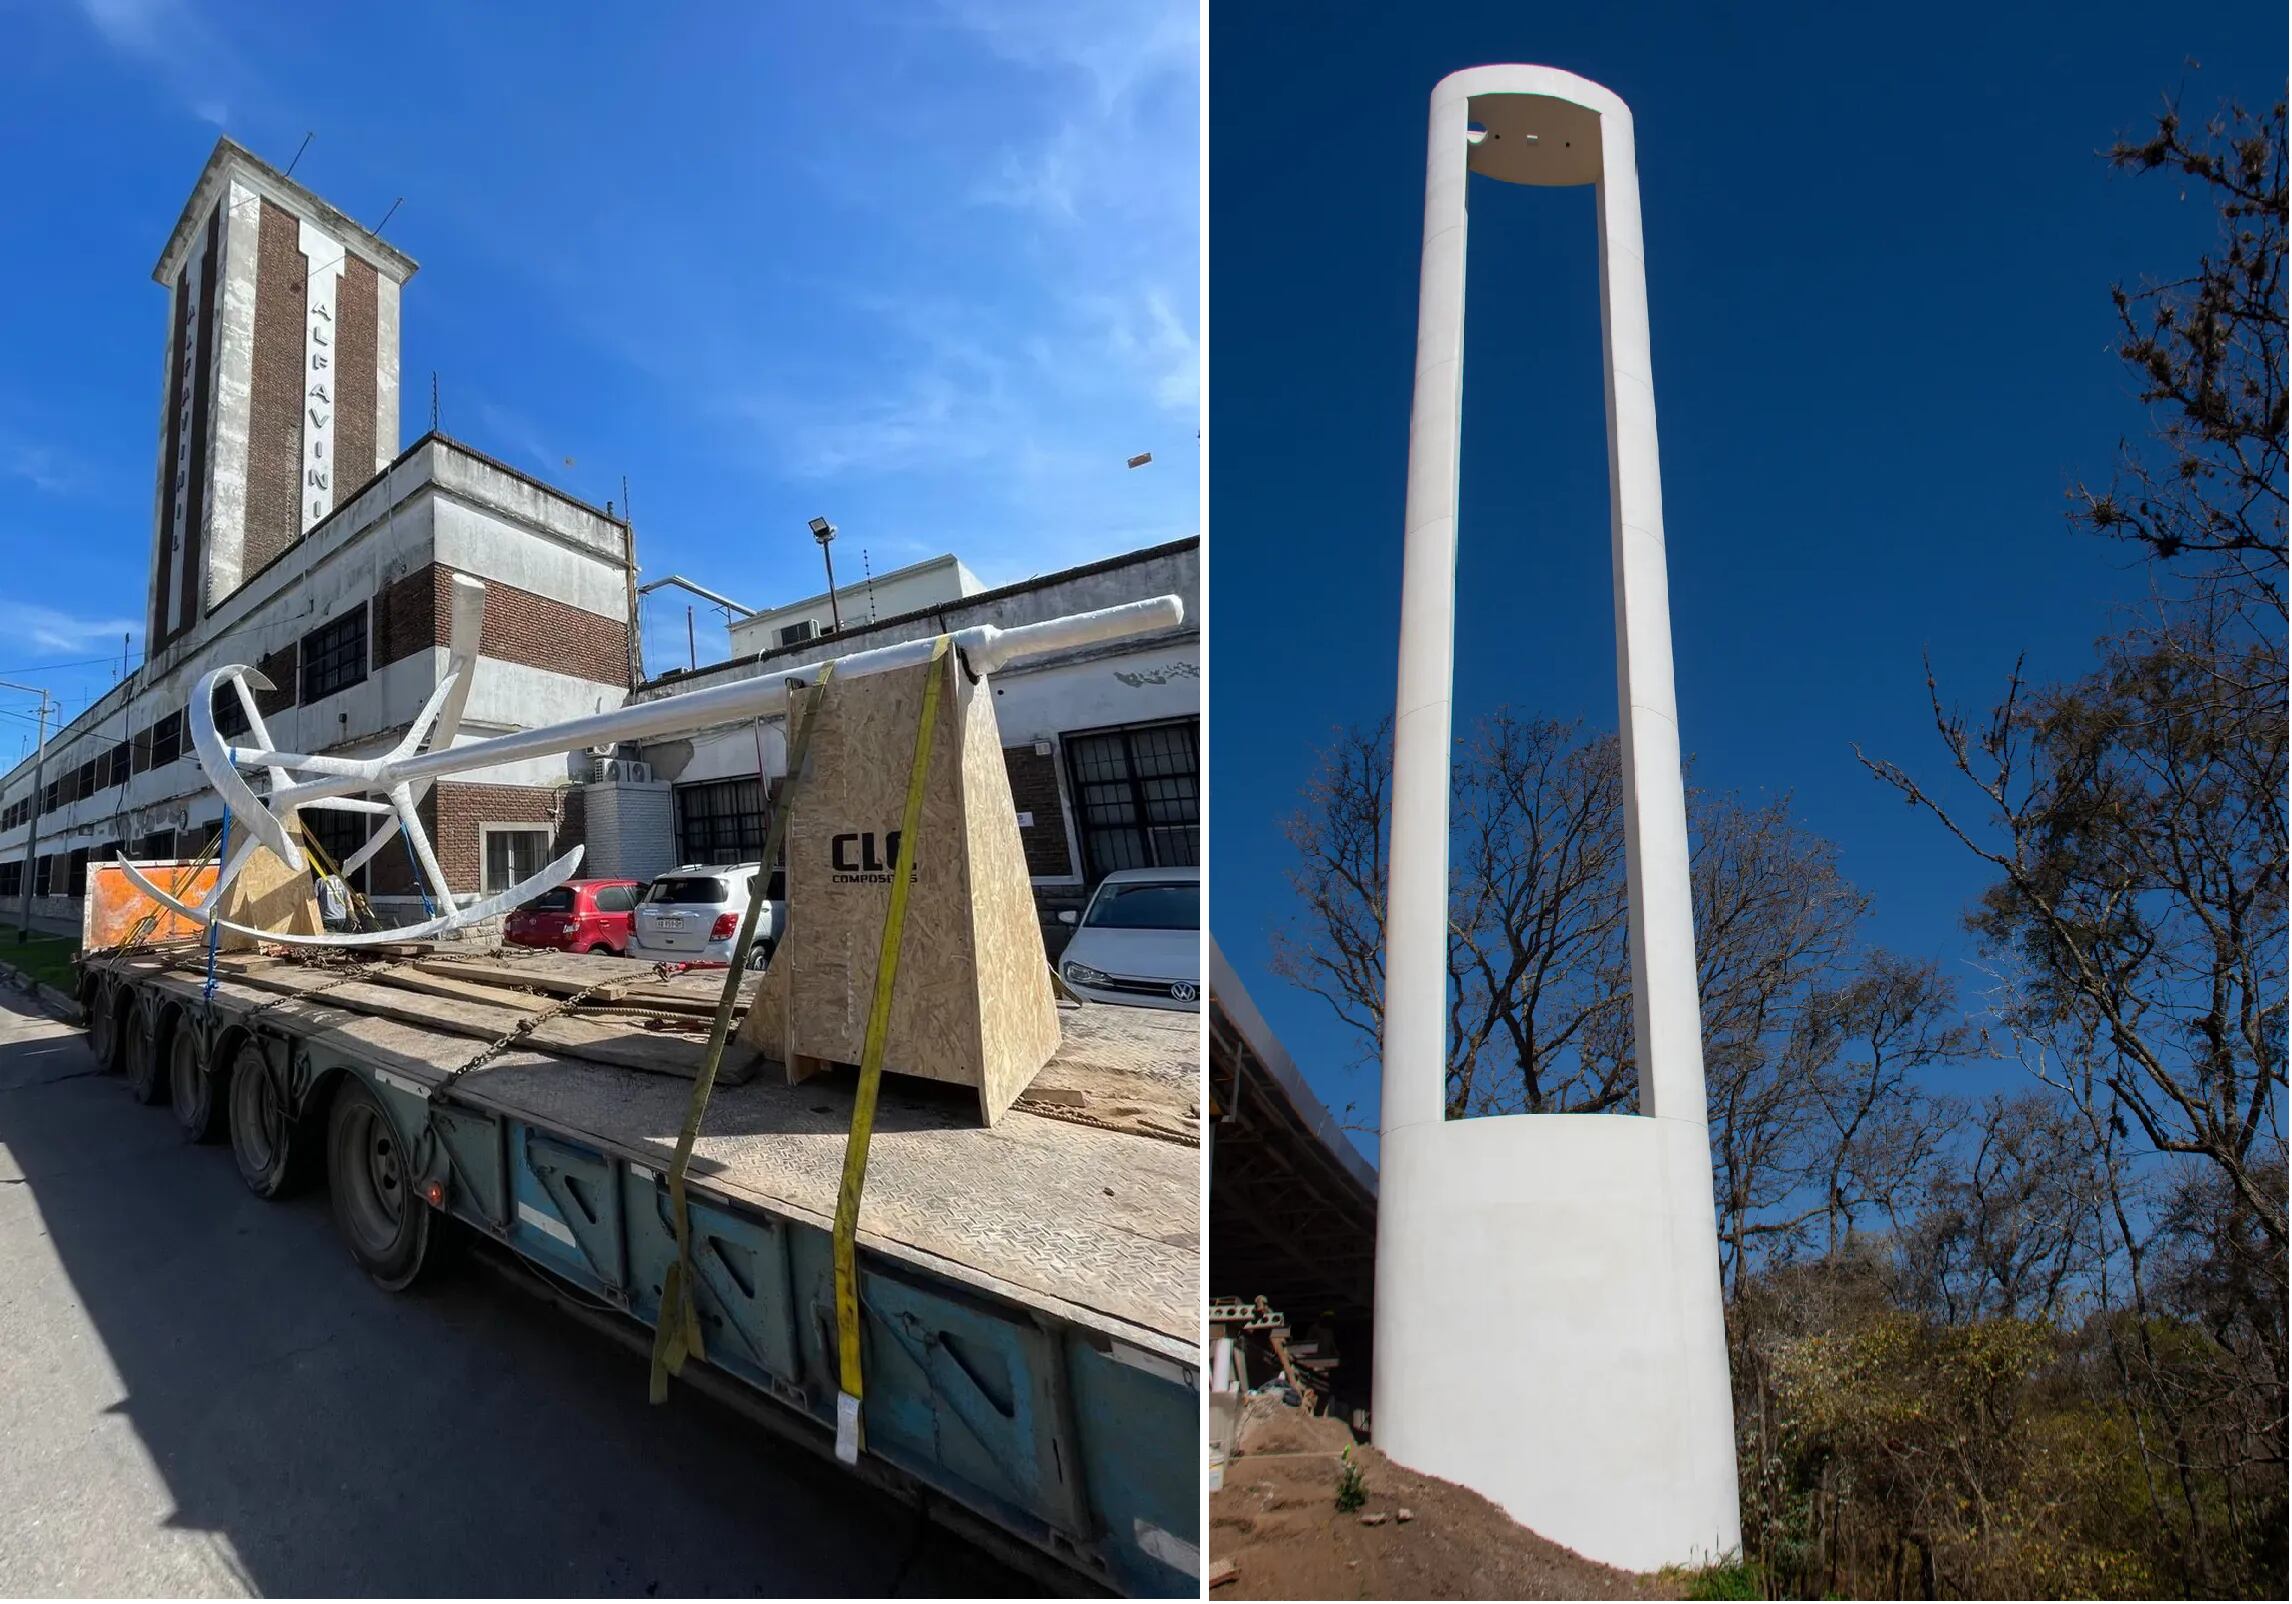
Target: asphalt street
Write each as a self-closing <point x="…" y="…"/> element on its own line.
<point x="200" y="1394"/>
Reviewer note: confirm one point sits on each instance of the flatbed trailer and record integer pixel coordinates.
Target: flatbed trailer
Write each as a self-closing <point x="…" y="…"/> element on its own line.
<point x="1029" y="1293"/>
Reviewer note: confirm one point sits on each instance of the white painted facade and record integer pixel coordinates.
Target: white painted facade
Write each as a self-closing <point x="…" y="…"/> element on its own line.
<point x="1040" y="703"/>
<point x="861" y="602"/>
<point x="1579" y="1252"/>
<point x="325" y="255"/>
<point x="440" y="503"/>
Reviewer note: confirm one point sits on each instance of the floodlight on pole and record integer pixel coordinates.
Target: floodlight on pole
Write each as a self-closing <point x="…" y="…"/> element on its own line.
<point x="823" y="532"/>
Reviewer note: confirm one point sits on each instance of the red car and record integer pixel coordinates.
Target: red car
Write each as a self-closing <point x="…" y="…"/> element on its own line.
<point x="579" y="916"/>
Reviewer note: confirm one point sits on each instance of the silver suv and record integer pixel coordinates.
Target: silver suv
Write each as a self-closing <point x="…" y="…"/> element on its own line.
<point x="691" y="915"/>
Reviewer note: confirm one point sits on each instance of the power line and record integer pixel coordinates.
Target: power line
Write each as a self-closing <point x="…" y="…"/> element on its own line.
<point x="42" y="668"/>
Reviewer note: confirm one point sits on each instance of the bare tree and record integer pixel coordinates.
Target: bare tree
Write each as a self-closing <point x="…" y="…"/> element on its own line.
<point x="2011" y="1230"/>
<point x="2209" y="494"/>
<point x="1810" y="1043"/>
<point x="2136" y="820"/>
<point x="1866" y="1039"/>
<point x="1539" y="995"/>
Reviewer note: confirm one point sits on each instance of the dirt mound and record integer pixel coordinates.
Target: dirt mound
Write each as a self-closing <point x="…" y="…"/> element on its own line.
<point x="1269" y="1426"/>
<point x="1276" y="1520"/>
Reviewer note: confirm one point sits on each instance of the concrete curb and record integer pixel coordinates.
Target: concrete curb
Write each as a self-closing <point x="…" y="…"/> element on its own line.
<point x="55" y="1002"/>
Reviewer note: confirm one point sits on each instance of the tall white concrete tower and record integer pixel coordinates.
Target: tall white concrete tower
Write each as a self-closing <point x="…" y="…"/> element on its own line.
<point x="1549" y="1330"/>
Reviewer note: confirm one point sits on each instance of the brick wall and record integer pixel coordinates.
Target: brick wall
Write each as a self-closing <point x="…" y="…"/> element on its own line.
<point x="274" y="411"/>
<point x="1034" y="789"/>
<point x="280" y="668"/>
<point x="520" y="627"/>
<point x="407" y="617"/>
<point x="356" y="305"/>
<point x="452" y="813"/>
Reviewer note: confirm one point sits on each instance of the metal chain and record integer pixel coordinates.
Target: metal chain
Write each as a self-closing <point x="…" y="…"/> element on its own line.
<point x="525" y="1027"/>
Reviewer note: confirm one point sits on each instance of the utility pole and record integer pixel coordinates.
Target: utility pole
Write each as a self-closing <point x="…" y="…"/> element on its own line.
<point x="32" y="831"/>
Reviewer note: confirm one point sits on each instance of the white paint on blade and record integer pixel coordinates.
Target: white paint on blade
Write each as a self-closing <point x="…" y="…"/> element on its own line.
<point x="546" y="1223"/>
<point x="1171" y="1550"/>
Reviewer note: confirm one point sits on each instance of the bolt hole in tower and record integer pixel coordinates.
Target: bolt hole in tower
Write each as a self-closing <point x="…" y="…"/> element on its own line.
<point x="1577" y="1252"/>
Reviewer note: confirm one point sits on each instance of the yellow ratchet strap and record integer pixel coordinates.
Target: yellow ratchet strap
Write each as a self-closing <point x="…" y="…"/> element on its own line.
<point x="676" y="1333"/>
<point x="871" y="1073"/>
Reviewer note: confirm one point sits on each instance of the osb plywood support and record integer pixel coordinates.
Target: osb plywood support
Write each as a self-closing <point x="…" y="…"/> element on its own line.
<point x="973" y="1003"/>
<point x="268" y="895"/>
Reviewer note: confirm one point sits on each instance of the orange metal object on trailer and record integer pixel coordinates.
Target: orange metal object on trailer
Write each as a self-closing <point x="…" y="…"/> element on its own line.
<point x="114" y="908"/>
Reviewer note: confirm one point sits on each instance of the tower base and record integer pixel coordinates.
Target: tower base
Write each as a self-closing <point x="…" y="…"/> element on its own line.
<point x="1549" y="1329"/>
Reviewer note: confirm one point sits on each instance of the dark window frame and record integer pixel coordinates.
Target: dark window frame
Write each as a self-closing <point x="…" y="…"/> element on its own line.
<point x="230" y="717"/>
<point x="333" y="657"/>
<point x="339" y="834"/>
<point x="723" y="821"/>
<point x="1136" y="790"/>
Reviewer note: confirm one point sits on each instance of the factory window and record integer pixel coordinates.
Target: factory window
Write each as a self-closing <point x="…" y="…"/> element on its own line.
<point x="799" y="632"/>
<point x="720" y="822"/>
<point x="1137" y="797"/>
<point x="167" y="740"/>
<point x="513" y="852"/>
<point x="334" y="655"/>
<point x="230" y="716"/>
<point x="338" y="835"/>
<point x="115" y="764"/>
<point x="12" y="879"/>
<point x="158" y="846"/>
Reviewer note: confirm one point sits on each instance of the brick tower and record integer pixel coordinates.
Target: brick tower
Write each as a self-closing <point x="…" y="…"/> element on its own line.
<point x="281" y="390"/>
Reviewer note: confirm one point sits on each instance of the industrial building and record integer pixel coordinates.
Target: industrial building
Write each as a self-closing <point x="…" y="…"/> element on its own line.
<point x="291" y="531"/>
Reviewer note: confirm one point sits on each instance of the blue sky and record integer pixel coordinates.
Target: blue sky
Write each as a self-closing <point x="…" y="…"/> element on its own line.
<point x="931" y="270"/>
<point x="1880" y="244"/>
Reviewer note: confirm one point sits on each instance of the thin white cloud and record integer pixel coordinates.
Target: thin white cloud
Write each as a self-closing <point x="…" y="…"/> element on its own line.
<point x="174" y="43"/>
<point x="48" y="469"/>
<point x="512" y="434"/>
<point x="30" y="630"/>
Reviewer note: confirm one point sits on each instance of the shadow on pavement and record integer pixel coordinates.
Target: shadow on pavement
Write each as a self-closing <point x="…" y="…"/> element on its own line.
<point x="333" y="1439"/>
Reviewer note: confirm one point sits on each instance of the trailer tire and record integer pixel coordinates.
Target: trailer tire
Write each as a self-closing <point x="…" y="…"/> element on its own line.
<point x="200" y="1110"/>
<point x="383" y="1220"/>
<point x="103" y="1026"/>
<point x="262" y="1127"/>
<point x="147" y="1079"/>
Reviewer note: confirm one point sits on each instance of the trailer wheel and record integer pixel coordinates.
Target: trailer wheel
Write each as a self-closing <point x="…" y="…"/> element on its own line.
<point x="147" y="1079"/>
<point x="261" y="1134"/>
<point x="103" y="1026"/>
<point x="199" y="1109"/>
<point x="388" y="1227"/>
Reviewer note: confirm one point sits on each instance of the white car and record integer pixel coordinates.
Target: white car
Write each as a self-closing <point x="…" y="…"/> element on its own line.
<point x="1139" y="940"/>
<point x="691" y="915"/>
